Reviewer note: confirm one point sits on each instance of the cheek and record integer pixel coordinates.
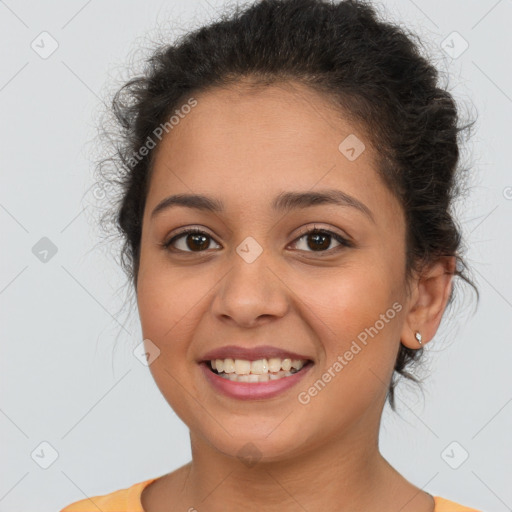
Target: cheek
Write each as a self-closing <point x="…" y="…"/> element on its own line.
<point x="359" y="355"/>
<point x="167" y="298"/>
<point x="349" y="299"/>
<point x="356" y="315"/>
<point x="169" y="303"/>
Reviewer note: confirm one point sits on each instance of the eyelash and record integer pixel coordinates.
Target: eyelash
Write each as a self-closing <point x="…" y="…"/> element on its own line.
<point x="341" y="240"/>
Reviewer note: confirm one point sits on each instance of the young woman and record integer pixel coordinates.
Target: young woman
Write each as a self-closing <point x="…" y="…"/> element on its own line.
<point x="287" y="176"/>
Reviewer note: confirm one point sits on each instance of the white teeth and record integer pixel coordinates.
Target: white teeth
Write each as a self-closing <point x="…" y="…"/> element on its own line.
<point x="297" y="364"/>
<point x="261" y="370"/>
<point x="260" y="366"/>
<point x="254" y="377"/>
<point x="274" y="364"/>
<point x="242" y="366"/>
<point x="229" y="366"/>
<point x="286" y="365"/>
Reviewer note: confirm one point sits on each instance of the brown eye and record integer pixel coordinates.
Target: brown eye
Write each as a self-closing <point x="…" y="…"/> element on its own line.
<point x="195" y="240"/>
<point x="319" y="240"/>
<point x="190" y="240"/>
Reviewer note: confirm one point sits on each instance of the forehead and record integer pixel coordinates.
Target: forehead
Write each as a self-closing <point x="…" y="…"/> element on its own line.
<point x="246" y="145"/>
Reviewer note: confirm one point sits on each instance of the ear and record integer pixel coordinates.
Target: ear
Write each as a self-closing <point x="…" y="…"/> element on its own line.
<point x="430" y="294"/>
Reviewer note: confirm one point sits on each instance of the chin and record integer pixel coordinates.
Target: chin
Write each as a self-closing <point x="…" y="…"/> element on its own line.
<point x="252" y="444"/>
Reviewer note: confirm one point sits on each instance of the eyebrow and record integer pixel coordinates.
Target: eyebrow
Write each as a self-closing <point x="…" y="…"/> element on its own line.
<point x="285" y="201"/>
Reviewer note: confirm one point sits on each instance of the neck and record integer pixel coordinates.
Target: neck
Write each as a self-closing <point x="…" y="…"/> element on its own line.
<point x="344" y="479"/>
<point x="345" y="473"/>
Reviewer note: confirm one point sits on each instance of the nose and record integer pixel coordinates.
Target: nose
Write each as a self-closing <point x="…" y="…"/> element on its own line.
<point x="250" y="293"/>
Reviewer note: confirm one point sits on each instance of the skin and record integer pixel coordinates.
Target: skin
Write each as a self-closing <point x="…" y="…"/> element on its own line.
<point x="277" y="139"/>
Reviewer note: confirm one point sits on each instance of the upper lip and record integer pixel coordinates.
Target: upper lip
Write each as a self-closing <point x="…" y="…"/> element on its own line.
<point x="251" y="354"/>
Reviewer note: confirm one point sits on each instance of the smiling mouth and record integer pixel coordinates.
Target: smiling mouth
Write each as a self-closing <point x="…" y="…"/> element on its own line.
<point x="261" y="370"/>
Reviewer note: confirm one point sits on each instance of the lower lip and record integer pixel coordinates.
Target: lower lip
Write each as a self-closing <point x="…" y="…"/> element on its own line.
<point x="253" y="390"/>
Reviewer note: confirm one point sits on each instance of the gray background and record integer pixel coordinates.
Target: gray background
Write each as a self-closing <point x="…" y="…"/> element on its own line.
<point x="68" y="374"/>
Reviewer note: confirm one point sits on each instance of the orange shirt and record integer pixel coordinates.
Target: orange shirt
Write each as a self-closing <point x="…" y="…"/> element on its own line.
<point x="128" y="500"/>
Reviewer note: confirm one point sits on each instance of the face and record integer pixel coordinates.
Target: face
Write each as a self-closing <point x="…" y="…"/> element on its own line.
<point x="255" y="277"/>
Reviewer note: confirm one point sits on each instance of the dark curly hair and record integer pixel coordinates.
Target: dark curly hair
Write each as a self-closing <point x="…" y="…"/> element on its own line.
<point x="371" y="70"/>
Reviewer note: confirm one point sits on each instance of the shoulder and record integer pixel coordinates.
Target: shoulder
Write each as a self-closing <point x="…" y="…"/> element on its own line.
<point x="444" y="505"/>
<point x="122" y="500"/>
